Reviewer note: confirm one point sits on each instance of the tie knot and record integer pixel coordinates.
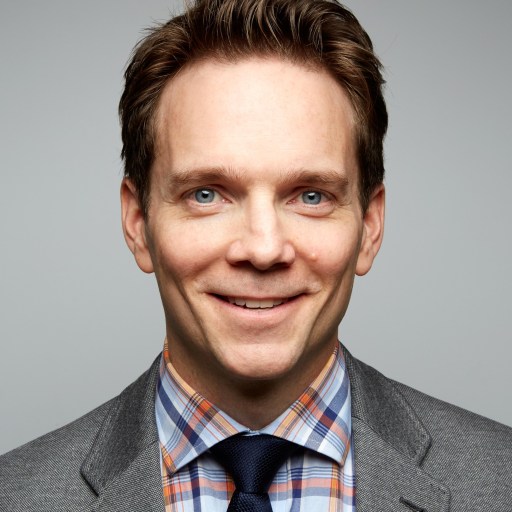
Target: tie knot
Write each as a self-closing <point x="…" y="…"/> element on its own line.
<point x="253" y="461"/>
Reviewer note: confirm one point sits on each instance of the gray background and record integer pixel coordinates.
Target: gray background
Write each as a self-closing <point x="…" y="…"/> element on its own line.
<point x="435" y="310"/>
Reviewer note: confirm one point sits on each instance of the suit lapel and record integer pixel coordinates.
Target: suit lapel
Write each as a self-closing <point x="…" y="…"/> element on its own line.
<point x="390" y="443"/>
<point x="386" y="479"/>
<point x="137" y="489"/>
<point x="123" y="465"/>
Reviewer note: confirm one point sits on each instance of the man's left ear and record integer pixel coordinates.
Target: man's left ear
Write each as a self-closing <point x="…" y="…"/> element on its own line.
<point x="373" y="231"/>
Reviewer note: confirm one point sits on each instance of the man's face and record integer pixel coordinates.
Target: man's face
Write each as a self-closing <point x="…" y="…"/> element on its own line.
<point x="255" y="230"/>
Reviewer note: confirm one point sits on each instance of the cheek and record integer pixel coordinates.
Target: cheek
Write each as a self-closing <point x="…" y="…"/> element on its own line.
<point x="330" y="251"/>
<point x="183" y="249"/>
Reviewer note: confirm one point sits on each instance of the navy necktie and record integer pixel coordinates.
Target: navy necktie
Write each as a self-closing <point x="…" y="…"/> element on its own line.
<point x="252" y="461"/>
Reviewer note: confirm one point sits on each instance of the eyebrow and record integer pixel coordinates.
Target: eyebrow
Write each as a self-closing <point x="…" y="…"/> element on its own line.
<point x="325" y="177"/>
<point x="200" y="175"/>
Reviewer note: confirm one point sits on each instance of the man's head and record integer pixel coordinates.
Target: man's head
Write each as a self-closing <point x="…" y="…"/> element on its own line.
<point x="320" y="34"/>
<point x="253" y="224"/>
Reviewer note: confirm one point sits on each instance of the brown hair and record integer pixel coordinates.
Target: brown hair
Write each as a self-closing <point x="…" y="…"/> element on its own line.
<point x="321" y="33"/>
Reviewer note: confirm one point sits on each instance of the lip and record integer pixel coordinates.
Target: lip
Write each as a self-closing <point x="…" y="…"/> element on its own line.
<point x="266" y="301"/>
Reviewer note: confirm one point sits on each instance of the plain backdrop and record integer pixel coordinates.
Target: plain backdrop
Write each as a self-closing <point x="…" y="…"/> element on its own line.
<point x="435" y="310"/>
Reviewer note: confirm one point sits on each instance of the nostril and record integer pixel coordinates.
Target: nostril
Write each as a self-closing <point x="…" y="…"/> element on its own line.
<point x="261" y="254"/>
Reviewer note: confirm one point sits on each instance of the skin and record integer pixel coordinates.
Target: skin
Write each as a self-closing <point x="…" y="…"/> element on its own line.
<point x="254" y="196"/>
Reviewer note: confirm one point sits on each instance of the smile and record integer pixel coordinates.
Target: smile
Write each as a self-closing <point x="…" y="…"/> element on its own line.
<point x="255" y="303"/>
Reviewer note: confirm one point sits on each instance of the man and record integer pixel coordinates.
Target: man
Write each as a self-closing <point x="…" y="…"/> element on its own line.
<point x="252" y="135"/>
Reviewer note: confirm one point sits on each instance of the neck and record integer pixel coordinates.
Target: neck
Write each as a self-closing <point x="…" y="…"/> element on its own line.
<point x="255" y="405"/>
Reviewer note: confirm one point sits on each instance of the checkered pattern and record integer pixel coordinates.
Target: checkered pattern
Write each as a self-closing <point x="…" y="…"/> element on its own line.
<point x="319" y="479"/>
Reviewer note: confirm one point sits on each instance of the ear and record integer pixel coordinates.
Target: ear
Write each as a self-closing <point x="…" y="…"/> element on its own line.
<point x="373" y="231"/>
<point x="134" y="226"/>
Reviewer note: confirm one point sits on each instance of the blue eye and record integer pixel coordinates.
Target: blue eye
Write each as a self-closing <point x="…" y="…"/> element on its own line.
<point x="312" y="197"/>
<point x="204" y="195"/>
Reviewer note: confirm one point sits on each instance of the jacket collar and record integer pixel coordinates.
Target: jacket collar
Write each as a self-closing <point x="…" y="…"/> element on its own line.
<point x="376" y="402"/>
<point x="390" y="443"/>
<point x="123" y="465"/>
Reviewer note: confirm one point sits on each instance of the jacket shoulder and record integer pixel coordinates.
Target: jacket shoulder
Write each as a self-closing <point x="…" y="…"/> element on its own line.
<point x="45" y="474"/>
<point x="469" y="453"/>
<point x="466" y="453"/>
<point x="50" y="465"/>
<point x="451" y="427"/>
<point x="457" y="431"/>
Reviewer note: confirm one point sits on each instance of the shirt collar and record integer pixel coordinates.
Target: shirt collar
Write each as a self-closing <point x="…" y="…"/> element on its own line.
<point x="188" y="424"/>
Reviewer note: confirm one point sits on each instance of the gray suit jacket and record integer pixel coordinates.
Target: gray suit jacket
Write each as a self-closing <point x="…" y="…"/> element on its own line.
<point x="412" y="452"/>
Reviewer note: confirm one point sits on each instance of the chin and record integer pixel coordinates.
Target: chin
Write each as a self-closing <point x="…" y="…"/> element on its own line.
<point x="260" y="364"/>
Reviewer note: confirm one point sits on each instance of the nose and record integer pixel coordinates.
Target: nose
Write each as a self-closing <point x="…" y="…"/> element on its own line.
<point x="261" y="239"/>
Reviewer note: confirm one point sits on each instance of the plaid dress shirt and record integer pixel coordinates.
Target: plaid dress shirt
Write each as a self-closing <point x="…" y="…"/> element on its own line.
<point x="318" y="479"/>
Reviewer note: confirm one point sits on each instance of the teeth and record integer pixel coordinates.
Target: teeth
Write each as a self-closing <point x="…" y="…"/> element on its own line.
<point x="256" y="304"/>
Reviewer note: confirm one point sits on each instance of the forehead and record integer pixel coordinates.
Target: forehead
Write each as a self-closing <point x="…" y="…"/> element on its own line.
<point x="256" y="114"/>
